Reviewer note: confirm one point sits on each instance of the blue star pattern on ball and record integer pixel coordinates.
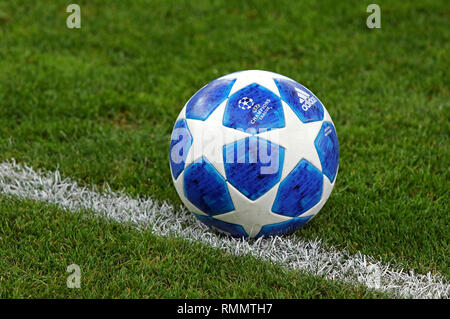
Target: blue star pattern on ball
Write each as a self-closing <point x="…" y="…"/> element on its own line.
<point x="253" y="108"/>
<point x="327" y="146"/>
<point x="180" y="144"/>
<point x="205" y="101"/>
<point x="299" y="191"/>
<point x="253" y="165"/>
<point x="259" y="154"/>
<point x="206" y="188"/>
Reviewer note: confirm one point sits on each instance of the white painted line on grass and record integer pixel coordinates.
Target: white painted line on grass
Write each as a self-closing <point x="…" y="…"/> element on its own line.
<point x="292" y="252"/>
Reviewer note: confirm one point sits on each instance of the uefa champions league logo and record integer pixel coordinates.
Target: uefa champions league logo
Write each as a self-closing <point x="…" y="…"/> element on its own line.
<point x="245" y="103"/>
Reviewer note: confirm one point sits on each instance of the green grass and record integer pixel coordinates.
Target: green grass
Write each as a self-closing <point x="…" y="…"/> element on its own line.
<point x="117" y="261"/>
<point x="99" y="103"/>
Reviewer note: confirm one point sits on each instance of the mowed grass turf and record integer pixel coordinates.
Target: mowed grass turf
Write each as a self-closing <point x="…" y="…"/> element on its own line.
<point x="99" y="103"/>
<point x="118" y="261"/>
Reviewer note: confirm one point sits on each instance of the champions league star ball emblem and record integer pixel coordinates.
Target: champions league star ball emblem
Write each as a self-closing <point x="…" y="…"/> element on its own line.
<point x="253" y="154"/>
<point x="245" y="103"/>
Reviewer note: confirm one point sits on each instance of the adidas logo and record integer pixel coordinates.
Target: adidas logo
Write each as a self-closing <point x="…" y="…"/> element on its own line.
<point x="305" y="99"/>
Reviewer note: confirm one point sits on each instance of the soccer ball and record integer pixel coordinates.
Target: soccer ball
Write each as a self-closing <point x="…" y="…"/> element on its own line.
<point x="254" y="154"/>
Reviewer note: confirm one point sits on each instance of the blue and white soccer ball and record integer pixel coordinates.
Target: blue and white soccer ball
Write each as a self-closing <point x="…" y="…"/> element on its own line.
<point x="254" y="154"/>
